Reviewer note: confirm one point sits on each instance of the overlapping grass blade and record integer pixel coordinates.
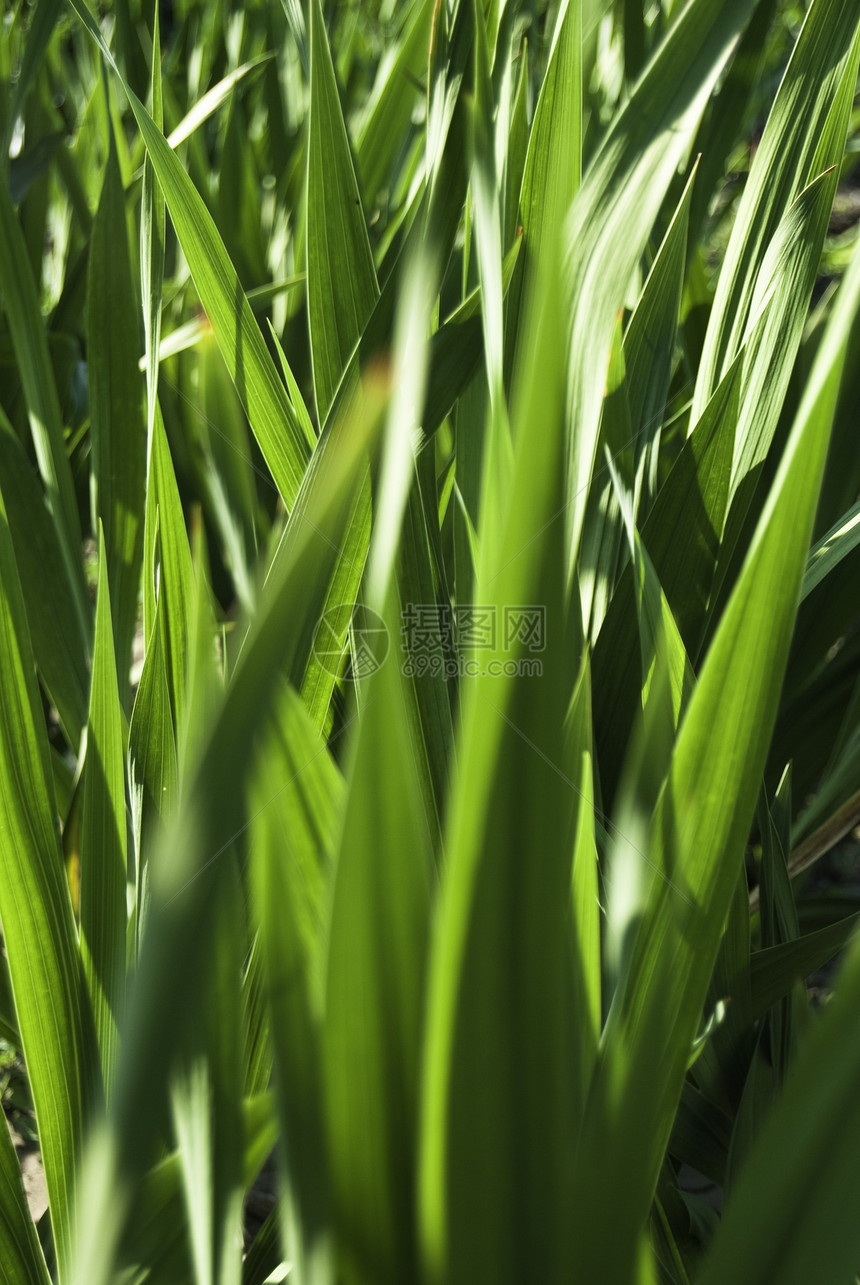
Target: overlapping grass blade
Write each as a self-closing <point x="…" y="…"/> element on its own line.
<point x="697" y="843"/>
<point x="40" y="390"/>
<point x="166" y="522"/>
<point x="801" y="1178"/>
<point x="606" y="234"/>
<point x="23" y="1261"/>
<point x="103" y="838"/>
<point x="152" y="766"/>
<point x="375" y="991"/>
<point x="386" y="120"/>
<point x="296" y="801"/>
<point x="116" y="410"/>
<point x="185" y="874"/>
<point x="57" y="1037"/>
<point x="342" y="287"/>
<point x="59" y="632"/>
<point x="248" y="360"/>
<point x="498" y="1122"/>
<point x="804" y="136"/>
<point x="152" y="232"/>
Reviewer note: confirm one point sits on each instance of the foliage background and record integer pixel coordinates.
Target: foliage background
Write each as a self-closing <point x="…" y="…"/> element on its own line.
<point x="317" y="311"/>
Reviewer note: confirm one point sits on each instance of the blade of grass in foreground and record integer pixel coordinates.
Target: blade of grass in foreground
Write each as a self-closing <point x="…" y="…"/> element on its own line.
<point x="380" y="909"/>
<point x="342" y="286"/>
<point x="697" y="843"/>
<point x="498" y="1119"/>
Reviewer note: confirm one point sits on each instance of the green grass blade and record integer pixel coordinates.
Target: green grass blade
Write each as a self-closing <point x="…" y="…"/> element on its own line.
<point x="389" y="110"/>
<point x="342" y="288"/>
<point x="60" y="645"/>
<point x="804" y="136"/>
<point x="498" y="1120"/>
<point x="296" y="802"/>
<point x="827" y="553"/>
<point x="248" y="360"/>
<point x="152" y="232"/>
<point x="697" y="843"/>
<point x="206" y="1094"/>
<point x="775" y="970"/>
<point x="40" y="390"/>
<point x="211" y="101"/>
<point x="649" y="345"/>
<point x="51" y="1000"/>
<point x="211" y="818"/>
<point x="116" y="410"/>
<point x="374" y="993"/>
<point x="791" y="1217"/>
<point x="103" y="839"/>
<point x="152" y="768"/>
<point x="21" y="1255"/>
<point x="176" y="573"/>
<point x="607" y="233"/>
<point x="585" y="908"/>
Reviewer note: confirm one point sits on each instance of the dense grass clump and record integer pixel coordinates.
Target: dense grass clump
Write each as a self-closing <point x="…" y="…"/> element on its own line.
<point x="429" y="643"/>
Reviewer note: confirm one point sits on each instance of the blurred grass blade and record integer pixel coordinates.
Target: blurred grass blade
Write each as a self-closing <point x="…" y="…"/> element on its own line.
<point x="585" y="934"/>
<point x="498" y="1122"/>
<point x="116" y="411"/>
<point x="205" y="1090"/>
<point x="103" y="839"/>
<point x="175" y="571"/>
<point x="374" y="992"/>
<point x="605" y="235"/>
<point x="152" y="231"/>
<point x="57" y="1038"/>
